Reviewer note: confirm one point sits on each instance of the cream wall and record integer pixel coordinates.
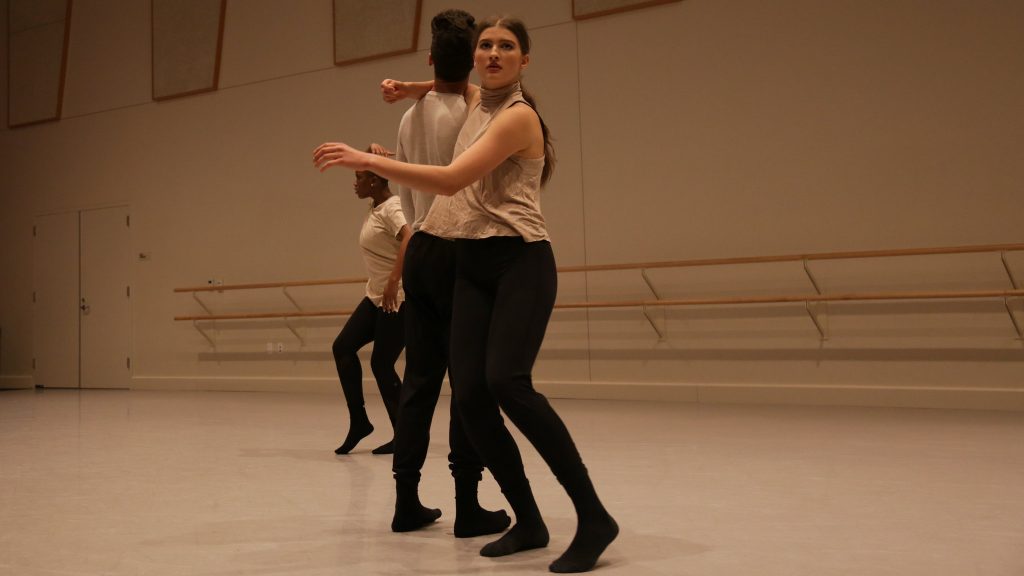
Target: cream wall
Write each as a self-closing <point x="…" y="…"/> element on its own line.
<point x="696" y="129"/>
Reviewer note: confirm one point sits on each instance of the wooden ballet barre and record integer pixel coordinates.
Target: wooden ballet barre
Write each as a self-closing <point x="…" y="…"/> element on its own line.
<point x="796" y="257"/>
<point x="773" y="299"/>
<point x="263" y="315"/>
<point x="1017" y="290"/>
<point x="667" y="264"/>
<point x="291" y="284"/>
<point x="776" y="299"/>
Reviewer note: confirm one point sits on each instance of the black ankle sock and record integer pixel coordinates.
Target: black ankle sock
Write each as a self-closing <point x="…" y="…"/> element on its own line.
<point x="413" y="517"/>
<point x="476" y="521"/>
<point x="388" y="448"/>
<point x="521" y="537"/>
<point x="359" y="428"/>
<point x="592" y="537"/>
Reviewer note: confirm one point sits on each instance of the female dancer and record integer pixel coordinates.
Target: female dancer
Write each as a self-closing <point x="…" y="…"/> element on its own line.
<point x="504" y="289"/>
<point x="379" y="316"/>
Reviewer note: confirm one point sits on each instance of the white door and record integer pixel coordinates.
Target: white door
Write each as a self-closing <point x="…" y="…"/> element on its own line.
<point x="55" y="310"/>
<point x="105" y="298"/>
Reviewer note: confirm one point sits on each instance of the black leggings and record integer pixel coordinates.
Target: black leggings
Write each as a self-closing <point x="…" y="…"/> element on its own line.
<point x="428" y="278"/>
<point x="386" y="330"/>
<point x="504" y="293"/>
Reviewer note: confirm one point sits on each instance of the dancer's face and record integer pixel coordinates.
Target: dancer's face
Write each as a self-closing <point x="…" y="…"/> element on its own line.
<point x="498" y="58"/>
<point x="365" y="184"/>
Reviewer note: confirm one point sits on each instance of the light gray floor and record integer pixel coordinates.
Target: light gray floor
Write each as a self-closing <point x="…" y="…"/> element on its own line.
<point x="192" y="483"/>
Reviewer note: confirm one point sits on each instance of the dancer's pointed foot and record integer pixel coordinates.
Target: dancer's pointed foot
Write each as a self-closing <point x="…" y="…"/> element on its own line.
<point x="521" y="537"/>
<point x="480" y="522"/>
<point x="409" y="518"/>
<point x="358" y="430"/>
<point x="388" y="448"/>
<point x="590" y="541"/>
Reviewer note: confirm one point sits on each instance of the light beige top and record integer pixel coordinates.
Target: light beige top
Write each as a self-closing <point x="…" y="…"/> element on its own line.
<point x="427" y="135"/>
<point x="505" y="202"/>
<point x="379" y="242"/>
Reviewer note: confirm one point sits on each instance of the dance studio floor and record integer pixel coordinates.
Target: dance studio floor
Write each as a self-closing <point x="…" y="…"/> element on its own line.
<point x="193" y="483"/>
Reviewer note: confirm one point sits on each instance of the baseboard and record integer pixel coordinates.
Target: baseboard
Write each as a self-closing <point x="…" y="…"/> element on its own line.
<point x="1006" y="399"/>
<point x="9" y="382"/>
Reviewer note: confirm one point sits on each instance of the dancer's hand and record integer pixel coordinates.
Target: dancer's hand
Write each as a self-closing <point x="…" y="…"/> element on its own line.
<point x="331" y="154"/>
<point x="390" y="302"/>
<point x="394" y="90"/>
<point x="380" y="150"/>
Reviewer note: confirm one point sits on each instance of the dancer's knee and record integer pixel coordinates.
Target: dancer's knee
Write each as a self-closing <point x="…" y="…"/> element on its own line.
<point x="507" y="387"/>
<point x="342" y="348"/>
<point x="383" y="369"/>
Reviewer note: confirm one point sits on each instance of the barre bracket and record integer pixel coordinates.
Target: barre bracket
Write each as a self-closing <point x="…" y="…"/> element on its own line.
<point x="647" y="314"/>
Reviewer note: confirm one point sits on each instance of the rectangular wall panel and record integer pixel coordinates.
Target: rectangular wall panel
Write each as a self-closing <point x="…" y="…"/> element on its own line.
<point x="366" y="30"/>
<point x="186" y="46"/>
<point x="37" y="42"/>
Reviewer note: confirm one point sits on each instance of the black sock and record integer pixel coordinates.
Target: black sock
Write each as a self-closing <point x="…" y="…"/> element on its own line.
<point x="522" y="536"/>
<point x="591" y="539"/>
<point x="388" y="448"/>
<point x="414" y="517"/>
<point x="471" y="519"/>
<point x="358" y="428"/>
<point x="410" y="514"/>
<point x="595" y="527"/>
<point x="480" y="522"/>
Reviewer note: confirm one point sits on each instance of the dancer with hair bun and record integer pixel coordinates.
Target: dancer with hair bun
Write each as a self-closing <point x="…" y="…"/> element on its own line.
<point x="379" y="317"/>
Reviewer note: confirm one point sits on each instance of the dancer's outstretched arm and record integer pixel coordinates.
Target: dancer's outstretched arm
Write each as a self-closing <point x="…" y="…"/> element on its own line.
<point x="511" y="132"/>
<point x="395" y="90"/>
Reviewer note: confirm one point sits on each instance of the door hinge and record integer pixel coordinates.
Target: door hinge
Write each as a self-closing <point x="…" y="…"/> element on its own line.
<point x="128" y="291"/>
<point x="128" y="221"/>
<point x="33" y="231"/>
<point x="129" y="362"/>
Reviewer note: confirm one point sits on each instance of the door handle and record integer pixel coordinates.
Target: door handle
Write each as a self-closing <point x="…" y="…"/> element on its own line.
<point x="84" y="307"/>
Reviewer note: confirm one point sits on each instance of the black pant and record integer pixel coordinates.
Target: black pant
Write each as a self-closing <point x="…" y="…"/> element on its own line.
<point x="428" y="278"/>
<point x="504" y="293"/>
<point x="386" y="330"/>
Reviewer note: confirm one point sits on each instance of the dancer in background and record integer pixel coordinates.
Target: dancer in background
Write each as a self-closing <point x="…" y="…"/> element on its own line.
<point x="504" y="289"/>
<point x="427" y="135"/>
<point x="379" y="317"/>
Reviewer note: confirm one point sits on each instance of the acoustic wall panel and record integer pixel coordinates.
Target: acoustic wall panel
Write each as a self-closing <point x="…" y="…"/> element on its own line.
<point x="37" y="36"/>
<point x="367" y="30"/>
<point x="583" y="9"/>
<point x="187" y="38"/>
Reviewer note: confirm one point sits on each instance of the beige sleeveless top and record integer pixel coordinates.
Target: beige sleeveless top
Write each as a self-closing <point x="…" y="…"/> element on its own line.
<point x="505" y="202"/>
